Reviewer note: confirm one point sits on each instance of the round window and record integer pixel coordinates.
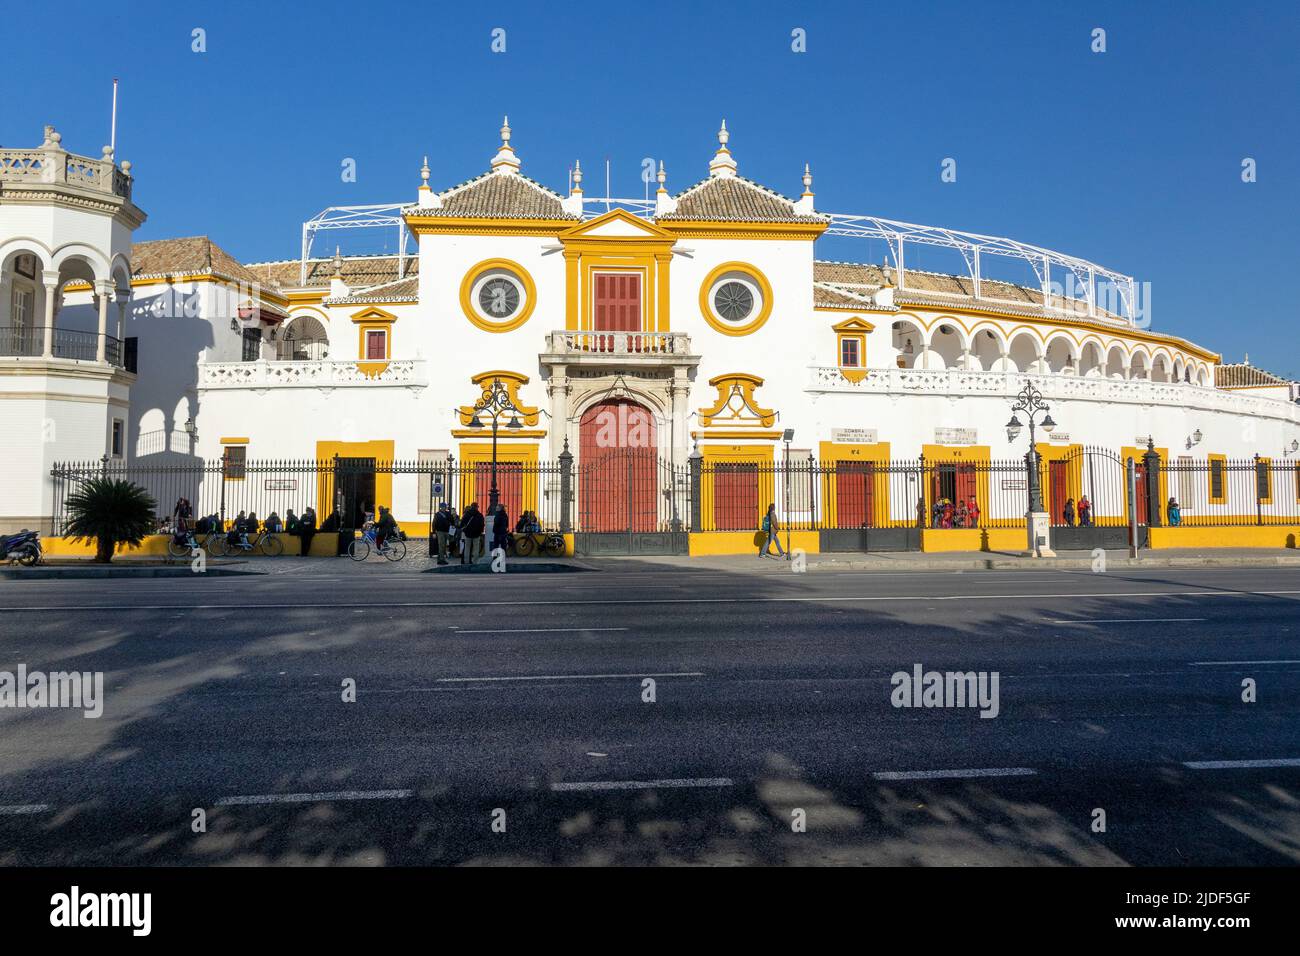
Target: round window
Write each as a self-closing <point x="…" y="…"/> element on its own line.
<point x="499" y="297"/>
<point x="734" y="301"/>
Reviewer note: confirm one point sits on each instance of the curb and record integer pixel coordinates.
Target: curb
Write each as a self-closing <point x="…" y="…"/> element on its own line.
<point x="152" y="571"/>
<point x="1077" y="564"/>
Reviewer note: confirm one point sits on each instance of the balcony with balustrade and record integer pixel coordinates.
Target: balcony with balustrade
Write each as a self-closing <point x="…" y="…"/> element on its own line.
<point x="50" y="167"/>
<point x="618" y="348"/>
<point x="956" y="382"/>
<point x="321" y="373"/>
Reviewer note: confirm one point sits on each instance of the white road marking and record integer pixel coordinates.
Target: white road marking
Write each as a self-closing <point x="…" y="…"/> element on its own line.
<point x="23" y="808"/>
<point x="954" y="774"/>
<point x="1241" y="764"/>
<point x="826" y="599"/>
<point x="534" y="630"/>
<point x="465" y="680"/>
<point x="642" y="784"/>
<point x="1121" y="620"/>
<point x="1226" y="663"/>
<point x="314" y="797"/>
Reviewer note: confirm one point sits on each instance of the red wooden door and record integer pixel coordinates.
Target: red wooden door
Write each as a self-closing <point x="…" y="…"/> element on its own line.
<point x="855" y="494"/>
<point x="616" y="305"/>
<point x="617" y="475"/>
<point x="965" y="485"/>
<point x="1141" y="491"/>
<point x="1058" y="488"/>
<point x="510" y="487"/>
<point x="735" y="496"/>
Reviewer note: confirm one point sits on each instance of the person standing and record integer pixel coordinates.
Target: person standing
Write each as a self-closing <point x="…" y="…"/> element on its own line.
<point x="1085" y="512"/>
<point x="307" y="529"/>
<point x="773" y="529"/>
<point x="1068" y="514"/>
<point x="442" y="528"/>
<point x="500" y="527"/>
<point x="472" y="527"/>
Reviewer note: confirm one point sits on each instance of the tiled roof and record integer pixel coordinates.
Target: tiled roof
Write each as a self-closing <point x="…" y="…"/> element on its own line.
<point x="1244" y="375"/>
<point x="828" y="296"/>
<point x="359" y="272"/>
<point x="497" y="196"/>
<point x="735" y="199"/>
<point x="403" y="290"/>
<point x="192" y="254"/>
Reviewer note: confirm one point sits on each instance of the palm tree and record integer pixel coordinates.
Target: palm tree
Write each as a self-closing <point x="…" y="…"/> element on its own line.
<point x="111" y="511"/>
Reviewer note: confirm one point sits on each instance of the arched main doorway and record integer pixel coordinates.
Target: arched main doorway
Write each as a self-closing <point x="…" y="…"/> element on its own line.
<point x="617" y="468"/>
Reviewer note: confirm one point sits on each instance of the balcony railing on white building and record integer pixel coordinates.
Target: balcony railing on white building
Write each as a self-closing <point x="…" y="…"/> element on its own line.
<point x="966" y="382"/>
<point x="319" y="374"/>
<point x="649" y="344"/>
<point x="52" y="165"/>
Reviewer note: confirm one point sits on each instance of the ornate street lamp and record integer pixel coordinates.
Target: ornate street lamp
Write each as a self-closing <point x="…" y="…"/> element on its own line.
<point x="1030" y="401"/>
<point x="495" y="402"/>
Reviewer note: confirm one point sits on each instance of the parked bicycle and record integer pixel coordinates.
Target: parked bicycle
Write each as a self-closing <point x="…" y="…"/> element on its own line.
<point x="219" y="545"/>
<point x="182" y="546"/>
<point x="546" y="542"/>
<point x="394" y="548"/>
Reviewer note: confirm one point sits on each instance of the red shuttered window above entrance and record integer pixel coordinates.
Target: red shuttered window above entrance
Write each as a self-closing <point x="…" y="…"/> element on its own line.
<point x="617" y="302"/>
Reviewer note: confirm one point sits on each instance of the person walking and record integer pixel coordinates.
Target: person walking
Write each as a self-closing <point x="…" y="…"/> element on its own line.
<point x="772" y="527"/>
<point x="472" y="527"/>
<point x="384" y="527"/>
<point x="442" y="527"/>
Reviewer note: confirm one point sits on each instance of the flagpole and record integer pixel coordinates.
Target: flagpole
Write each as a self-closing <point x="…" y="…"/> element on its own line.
<point x="112" y="136"/>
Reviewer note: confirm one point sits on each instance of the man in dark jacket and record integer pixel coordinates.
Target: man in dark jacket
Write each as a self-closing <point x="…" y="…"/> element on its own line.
<point x="384" y="527"/>
<point x="307" y="529"/>
<point x="472" y="527"/>
<point x="500" y="527"/>
<point x="442" y="528"/>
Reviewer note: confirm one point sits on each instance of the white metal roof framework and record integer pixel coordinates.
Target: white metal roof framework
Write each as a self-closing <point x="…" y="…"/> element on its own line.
<point x="973" y="247"/>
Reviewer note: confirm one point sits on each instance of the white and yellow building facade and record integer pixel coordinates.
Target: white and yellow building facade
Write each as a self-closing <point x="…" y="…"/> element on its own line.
<point x="703" y="322"/>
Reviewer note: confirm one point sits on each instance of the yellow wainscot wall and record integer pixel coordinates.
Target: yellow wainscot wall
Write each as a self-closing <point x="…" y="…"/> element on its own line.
<point x="323" y="545"/>
<point x="974" y="539"/>
<point x="704" y="543"/>
<point x="1246" y="536"/>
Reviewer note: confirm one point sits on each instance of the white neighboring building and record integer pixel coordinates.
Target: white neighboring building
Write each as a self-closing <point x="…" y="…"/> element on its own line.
<point x="65" y="389"/>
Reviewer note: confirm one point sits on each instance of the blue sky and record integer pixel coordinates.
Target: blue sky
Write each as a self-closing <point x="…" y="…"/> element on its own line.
<point x="1130" y="158"/>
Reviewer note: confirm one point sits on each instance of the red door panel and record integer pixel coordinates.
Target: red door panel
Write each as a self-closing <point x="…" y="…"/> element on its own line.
<point x="618" y="474"/>
<point x="855" y="494"/>
<point x="735" y="496"/>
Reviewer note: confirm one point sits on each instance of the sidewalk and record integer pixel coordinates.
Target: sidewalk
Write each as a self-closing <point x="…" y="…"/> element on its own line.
<point x="417" y="561"/>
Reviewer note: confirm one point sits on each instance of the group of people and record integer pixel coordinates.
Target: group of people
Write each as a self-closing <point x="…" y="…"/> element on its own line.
<point x="465" y="534"/>
<point x="182" y="524"/>
<point x="1083" y="510"/>
<point x="962" y="514"/>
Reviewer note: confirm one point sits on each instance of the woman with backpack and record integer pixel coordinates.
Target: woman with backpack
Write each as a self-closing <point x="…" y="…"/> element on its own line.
<point x="772" y="528"/>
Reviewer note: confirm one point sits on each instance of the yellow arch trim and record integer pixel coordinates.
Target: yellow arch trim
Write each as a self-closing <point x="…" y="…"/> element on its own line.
<point x="706" y="307"/>
<point x="467" y="287"/>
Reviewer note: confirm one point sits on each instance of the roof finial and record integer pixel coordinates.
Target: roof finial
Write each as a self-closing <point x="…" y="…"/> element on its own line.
<point x="723" y="164"/>
<point x="662" y="177"/>
<point x="338" y="262"/>
<point x="807" y="180"/>
<point x="577" y="178"/>
<point x="505" y="161"/>
<point x="424" y="174"/>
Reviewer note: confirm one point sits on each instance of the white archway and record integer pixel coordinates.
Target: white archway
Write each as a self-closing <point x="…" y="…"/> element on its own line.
<point x="1025" y="352"/>
<point x="947" y="345"/>
<point x="909" y="343"/>
<point x="988" y="348"/>
<point x="1062" y="354"/>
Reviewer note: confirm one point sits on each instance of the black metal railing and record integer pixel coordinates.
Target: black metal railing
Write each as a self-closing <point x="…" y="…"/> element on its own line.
<point x="635" y="491"/>
<point x="29" y="342"/>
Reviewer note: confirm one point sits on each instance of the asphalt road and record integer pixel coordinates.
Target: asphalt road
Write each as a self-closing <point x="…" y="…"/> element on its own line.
<point x="1119" y="692"/>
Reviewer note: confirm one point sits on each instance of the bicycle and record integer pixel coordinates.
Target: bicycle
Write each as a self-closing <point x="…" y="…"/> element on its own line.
<point x="183" y="548"/>
<point x="394" y="548"/>
<point x="545" y="542"/>
<point x="268" y="544"/>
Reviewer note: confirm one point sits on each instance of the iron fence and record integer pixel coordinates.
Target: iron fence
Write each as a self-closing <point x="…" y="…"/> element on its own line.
<point x="634" y="491"/>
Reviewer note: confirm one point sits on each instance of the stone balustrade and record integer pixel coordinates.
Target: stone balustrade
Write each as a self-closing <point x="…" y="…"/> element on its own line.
<point x="967" y="382"/>
<point x="412" y="373"/>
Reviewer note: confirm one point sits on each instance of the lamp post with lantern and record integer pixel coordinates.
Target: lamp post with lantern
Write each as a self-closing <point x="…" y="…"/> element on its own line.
<point x="495" y="403"/>
<point x="1030" y="401"/>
